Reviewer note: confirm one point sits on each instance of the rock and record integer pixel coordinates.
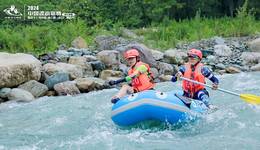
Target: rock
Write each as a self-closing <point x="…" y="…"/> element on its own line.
<point x="221" y="71"/>
<point x="20" y="95"/>
<point x="128" y="34"/>
<point x="164" y="78"/>
<point x="110" y="58"/>
<point x="97" y="65"/>
<point x="211" y="59"/>
<point x="55" y="79"/>
<point x="62" y="47"/>
<point x="18" y="68"/>
<point x="4" y="92"/>
<point x="165" y="68"/>
<point x="155" y="72"/>
<point x="74" y="71"/>
<point x="90" y="58"/>
<point x="220" y="66"/>
<point x="35" y="88"/>
<point x="111" y="75"/>
<point x="145" y="53"/>
<point x="219" y="40"/>
<point x="79" y="42"/>
<point x="232" y="69"/>
<point x="99" y="83"/>
<point x="47" y="58"/>
<point x="82" y="62"/>
<point x="222" y="50"/>
<point x="123" y="68"/>
<point x="254" y="45"/>
<point x="255" y="67"/>
<point x="250" y="58"/>
<point x="50" y="93"/>
<point x="63" y="55"/>
<point x="2" y="100"/>
<point x="66" y="88"/>
<point x="174" y="56"/>
<point x="85" y="84"/>
<point x="157" y="55"/>
<point x="109" y="42"/>
<point x="206" y="53"/>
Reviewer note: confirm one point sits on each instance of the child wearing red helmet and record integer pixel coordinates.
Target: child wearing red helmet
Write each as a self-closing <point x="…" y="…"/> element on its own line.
<point x="139" y="76"/>
<point x="195" y="70"/>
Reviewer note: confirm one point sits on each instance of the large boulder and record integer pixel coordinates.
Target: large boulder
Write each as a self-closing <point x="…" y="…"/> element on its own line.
<point x="74" y="71"/>
<point x="109" y="42"/>
<point x="20" y="95"/>
<point x="18" y="68"/>
<point x="166" y="69"/>
<point x="144" y="51"/>
<point x="66" y="88"/>
<point x="111" y="75"/>
<point x="157" y="55"/>
<point x="174" y="56"/>
<point x="255" y="67"/>
<point x="222" y="50"/>
<point x="110" y="58"/>
<point x="82" y="62"/>
<point x="254" y="45"/>
<point x="85" y="84"/>
<point x="36" y="88"/>
<point x="79" y="42"/>
<point x="250" y="58"/>
<point x="55" y="79"/>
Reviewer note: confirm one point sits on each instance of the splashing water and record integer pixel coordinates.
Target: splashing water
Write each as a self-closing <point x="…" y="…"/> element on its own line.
<point x="83" y="122"/>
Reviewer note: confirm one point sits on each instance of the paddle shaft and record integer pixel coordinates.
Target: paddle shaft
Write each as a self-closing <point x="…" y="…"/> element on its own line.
<point x="223" y="90"/>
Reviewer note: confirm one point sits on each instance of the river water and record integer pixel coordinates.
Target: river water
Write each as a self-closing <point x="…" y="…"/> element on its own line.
<point x="83" y="122"/>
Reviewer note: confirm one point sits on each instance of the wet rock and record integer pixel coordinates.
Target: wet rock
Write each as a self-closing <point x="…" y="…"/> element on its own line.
<point x="254" y="45"/>
<point x="110" y="58"/>
<point x="18" y="68"/>
<point x="111" y="75"/>
<point x="174" y="56"/>
<point x="157" y="55"/>
<point x="232" y="69"/>
<point x="255" y="67"/>
<point x="165" y="68"/>
<point x="20" y="95"/>
<point x="35" y="88"/>
<point x="74" y="71"/>
<point x="66" y="88"/>
<point x="79" y="42"/>
<point x="222" y="50"/>
<point x="55" y="79"/>
<point x="4" y="92"/>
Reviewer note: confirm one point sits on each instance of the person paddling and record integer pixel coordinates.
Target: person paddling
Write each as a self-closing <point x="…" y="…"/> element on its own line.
<point x="140" y="77"/>
<point x="195" y="70"/>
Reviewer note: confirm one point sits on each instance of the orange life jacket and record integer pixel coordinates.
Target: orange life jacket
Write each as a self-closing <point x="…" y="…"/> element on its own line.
<point x="143" y="81"/>
<point x="196" y="75"/>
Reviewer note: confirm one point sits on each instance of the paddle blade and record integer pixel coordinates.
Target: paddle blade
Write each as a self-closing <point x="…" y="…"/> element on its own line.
<point x="250" y="98"/>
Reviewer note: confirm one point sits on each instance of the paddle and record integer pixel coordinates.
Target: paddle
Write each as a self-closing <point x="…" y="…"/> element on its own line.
<point x="249" y="98"/>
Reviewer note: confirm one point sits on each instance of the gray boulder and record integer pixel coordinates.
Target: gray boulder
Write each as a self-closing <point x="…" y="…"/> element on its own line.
<point x="111" y="75"/>
<point x="20" y="95"/>
<point x="66" y="88"/>
<point x="82" y="62"/>
<point x="35" y="88"/>
<point x="174" y="56"/>
<point x="222" y="50"/>
<point x="18" y="68"/>
<point x="55" y="79"/>
<point x="254" y="45"/>
<point x="165" y="68"/>
<point x="110" y="58"/>
<point x="250" y="58"/>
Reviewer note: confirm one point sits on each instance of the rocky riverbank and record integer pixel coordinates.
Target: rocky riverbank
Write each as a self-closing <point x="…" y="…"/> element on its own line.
<point x="82" y="68"/>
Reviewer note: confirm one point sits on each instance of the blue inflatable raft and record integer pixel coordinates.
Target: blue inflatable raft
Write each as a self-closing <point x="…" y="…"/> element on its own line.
<point x="168" y="107"/>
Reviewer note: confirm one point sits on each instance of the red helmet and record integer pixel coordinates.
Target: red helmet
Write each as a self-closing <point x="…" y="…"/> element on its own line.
<point x="131" y="53"/>
<point x="195" y="52"/>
